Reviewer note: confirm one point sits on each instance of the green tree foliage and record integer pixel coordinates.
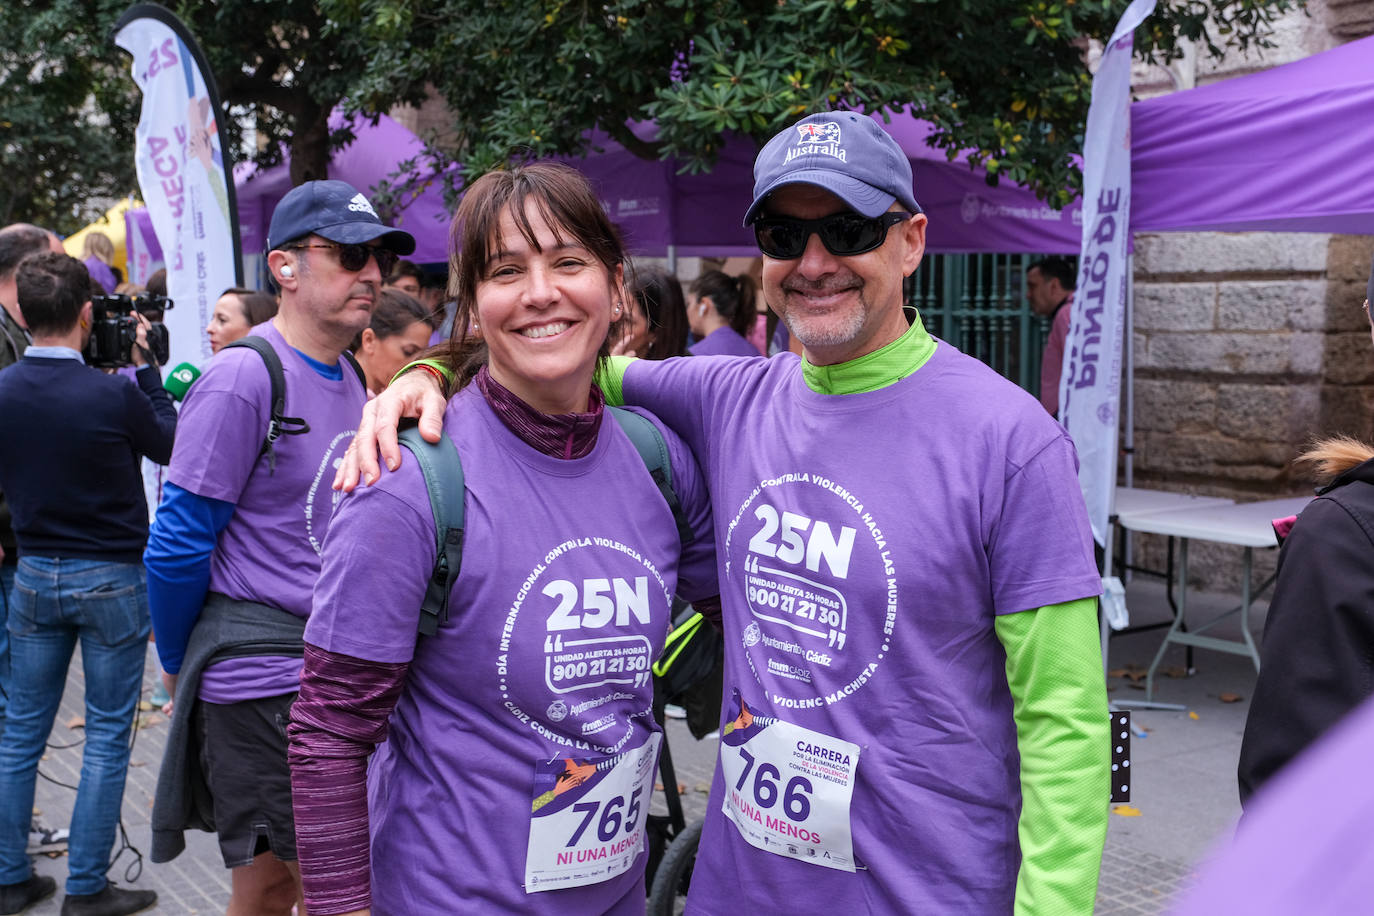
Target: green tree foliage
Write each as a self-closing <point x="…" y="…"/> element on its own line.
<point x="67" y="115"/>
<point x="1005" y="79"/>
<point x="69" y="107"/>
<point x="282" y="68"/>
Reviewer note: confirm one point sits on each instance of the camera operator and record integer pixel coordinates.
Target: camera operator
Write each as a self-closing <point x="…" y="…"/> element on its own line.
<point x="81" y="523"/>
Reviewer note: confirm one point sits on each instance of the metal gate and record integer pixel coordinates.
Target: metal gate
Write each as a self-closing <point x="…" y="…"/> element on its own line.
<point x="977" y="302"/>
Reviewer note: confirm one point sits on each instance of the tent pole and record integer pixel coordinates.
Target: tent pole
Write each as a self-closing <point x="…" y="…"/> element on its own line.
<point x="1128" y="369"/>
<point x="672" y="260"/>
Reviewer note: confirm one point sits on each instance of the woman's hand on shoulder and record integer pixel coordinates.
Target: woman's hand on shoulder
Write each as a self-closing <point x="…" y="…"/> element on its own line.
<point x="415" y="394"/>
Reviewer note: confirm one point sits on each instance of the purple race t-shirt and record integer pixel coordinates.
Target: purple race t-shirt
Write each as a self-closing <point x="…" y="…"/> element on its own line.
<point x="518" y="747"/>
<point x="866" y="544"/>
<point x="270" y="550"/>
<point x="723" y="342"/>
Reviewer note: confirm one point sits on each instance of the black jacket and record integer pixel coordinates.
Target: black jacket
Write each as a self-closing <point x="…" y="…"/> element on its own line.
<point x="1317" y="656"/>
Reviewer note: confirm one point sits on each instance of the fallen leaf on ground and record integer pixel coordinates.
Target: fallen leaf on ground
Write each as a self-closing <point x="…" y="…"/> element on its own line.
<point x="1230" y="698"/>
<point x="1192" y="715"/>
<point x="76" y="722"/>
<point x="144" y="706"/>
<point x="1175" y="671"/>
<point x="1126" y="810"/>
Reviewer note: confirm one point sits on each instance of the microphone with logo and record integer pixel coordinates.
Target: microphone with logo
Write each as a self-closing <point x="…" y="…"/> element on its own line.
<point x="180" y="379"/>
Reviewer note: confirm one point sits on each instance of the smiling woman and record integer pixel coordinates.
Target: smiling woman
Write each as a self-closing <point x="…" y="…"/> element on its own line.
<point x="530" y="717"/>
<point x="542" y="279"/>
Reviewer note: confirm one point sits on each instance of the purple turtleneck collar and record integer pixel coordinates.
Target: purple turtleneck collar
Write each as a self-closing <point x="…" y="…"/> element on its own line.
<point x="564" y="435"/>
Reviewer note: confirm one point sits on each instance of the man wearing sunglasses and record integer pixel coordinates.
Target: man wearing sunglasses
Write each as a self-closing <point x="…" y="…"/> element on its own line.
<point x="234" y="553"/>
<point x="916" y="718"/>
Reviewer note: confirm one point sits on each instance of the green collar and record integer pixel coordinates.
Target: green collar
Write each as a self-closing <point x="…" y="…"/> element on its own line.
<point x="875" y="370"/>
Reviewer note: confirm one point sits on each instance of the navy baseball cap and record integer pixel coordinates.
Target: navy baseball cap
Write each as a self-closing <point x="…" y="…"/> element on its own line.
<point x="844" y="152"/>
<point x="333" y="210"/>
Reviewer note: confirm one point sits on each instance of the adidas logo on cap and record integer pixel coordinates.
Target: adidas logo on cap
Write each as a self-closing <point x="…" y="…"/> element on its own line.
<point x="359" y="204"/>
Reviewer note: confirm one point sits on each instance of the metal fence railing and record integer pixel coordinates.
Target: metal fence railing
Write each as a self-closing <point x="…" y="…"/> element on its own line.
<point x="977" y="302"/>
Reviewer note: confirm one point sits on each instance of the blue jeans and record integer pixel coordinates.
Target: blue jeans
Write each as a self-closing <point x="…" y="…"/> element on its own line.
<point x="6" y="586"/>
<point x="56" y="602"/>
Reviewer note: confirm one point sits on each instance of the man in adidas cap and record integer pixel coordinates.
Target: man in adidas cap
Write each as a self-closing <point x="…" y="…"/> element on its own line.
<point x="234" y="552"/>
<point x="916" y="716"/>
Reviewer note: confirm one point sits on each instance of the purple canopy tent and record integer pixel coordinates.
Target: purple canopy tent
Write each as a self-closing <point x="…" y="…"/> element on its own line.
<point x="1286" y="149"/>
<point x="659" y="209"/>
<point x="1282" y="150"/>
<point x="373" y="156"/>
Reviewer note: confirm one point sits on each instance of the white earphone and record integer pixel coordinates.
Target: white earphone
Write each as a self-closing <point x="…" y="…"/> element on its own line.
<point x="286" y="271"/>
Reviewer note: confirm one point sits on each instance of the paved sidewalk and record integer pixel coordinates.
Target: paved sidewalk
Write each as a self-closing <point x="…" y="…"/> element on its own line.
<point x="1184" y="778"/>
<point x="196" y="882"/>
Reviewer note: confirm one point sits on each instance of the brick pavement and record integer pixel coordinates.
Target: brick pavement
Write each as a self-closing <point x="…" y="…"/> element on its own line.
<point x="196" y="881"/>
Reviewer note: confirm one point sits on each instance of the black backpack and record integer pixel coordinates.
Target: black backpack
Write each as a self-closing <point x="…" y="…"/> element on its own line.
<point x="280" y="424"/>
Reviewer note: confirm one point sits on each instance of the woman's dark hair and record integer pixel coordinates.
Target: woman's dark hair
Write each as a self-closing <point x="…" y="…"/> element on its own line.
<point x="660" y="296"/>
<point x="257" y="305"/>
<point x="394" y="312"/>
<point x="567" y="203"/>
<point x="405" y="269"/>
<point x="735" y="298"/>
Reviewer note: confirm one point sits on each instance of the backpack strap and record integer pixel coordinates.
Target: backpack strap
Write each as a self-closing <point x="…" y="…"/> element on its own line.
<point x="352" y="360"/>
<point x="279" y="424"/>
<point x="648" y="441"/>
<point x="443" y="472"/>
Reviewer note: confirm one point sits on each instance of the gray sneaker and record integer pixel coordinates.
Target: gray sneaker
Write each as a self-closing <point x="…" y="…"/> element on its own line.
<point x="111" y="901"/>
<point x="46" y="839"/>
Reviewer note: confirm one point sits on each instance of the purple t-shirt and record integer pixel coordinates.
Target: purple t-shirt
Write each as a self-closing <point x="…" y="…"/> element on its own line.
<point x="723" y="341"/>
<point x="540" y="672"/>
<point x="866" y="544"/>
<point x="270" y="550"/>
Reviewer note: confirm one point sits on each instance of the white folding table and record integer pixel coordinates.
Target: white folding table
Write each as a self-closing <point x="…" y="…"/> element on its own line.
<point x="1130" y="505"/>
<point x="1133" y="503"/>
<point x="1247" y="525"/>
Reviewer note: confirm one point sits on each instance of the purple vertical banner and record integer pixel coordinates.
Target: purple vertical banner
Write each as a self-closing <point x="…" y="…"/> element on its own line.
<point x="1090" y="386"/>
<point x="183" y="171"/>
<point x="144" y="253"/>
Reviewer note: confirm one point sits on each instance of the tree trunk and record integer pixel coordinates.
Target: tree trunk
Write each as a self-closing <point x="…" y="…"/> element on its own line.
<point x="310" y="146"/>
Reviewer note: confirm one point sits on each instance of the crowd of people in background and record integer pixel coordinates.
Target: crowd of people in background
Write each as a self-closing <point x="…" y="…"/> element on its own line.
<point x="357" y="700"/>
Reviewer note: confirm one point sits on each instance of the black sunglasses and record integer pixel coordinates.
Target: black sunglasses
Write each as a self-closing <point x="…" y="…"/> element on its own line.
<point x="784" y="238"/>
<point x="353" y="257"/>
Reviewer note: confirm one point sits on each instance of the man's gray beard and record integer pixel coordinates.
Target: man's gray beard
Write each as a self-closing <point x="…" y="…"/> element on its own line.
<point x="834" y="334"/>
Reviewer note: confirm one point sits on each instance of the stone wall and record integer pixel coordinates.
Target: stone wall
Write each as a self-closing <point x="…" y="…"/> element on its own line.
<point x="1247" y="345"/>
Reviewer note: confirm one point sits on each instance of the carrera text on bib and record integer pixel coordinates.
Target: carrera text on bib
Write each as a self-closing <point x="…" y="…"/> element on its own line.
<point x="787" y="788"/>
